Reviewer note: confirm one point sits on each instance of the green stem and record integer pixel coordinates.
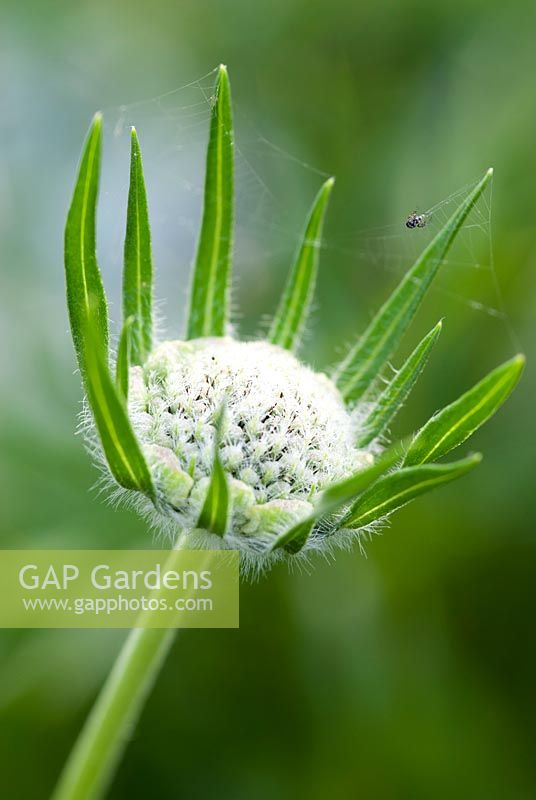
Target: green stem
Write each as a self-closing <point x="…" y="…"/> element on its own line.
<point x="100" y="745"/>
<point x="104" y="737"/>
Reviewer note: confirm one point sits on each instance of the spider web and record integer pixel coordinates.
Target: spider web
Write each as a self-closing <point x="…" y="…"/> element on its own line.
<point x="270" y="211"/>
<point x="394" y="248"/>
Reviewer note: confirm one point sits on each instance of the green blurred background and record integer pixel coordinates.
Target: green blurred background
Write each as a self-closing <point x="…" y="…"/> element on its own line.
<point x="409" y="673"/>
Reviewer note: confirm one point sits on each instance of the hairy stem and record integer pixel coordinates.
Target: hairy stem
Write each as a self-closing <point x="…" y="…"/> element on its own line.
<point x="104" y="737"/>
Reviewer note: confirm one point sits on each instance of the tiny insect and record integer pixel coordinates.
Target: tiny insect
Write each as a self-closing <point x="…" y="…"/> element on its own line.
<point x="416" y="220"/>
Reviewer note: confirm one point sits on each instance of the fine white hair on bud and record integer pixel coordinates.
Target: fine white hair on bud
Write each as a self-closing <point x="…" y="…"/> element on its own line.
<point x="286" y="433"/>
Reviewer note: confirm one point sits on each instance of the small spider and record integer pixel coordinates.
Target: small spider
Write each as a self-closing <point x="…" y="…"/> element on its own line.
<point x="416" y="220"/>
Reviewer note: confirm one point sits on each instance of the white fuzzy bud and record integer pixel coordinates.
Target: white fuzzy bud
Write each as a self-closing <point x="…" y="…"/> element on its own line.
<point x="286" y="435"/>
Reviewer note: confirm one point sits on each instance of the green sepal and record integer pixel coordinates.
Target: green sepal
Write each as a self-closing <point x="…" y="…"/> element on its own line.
<point x="215" y="512"/>
<point x="138" y="262"/>
<point x="456" y="422"/>
<point x="85" y="291"/>
<point x="291" y="316"/>
<point x="209" y="297"/>
<point x="393" y="491"/>
<point x="124" y="351"/>
<point x="119" y="443"/>
<point x="398" y="389"/>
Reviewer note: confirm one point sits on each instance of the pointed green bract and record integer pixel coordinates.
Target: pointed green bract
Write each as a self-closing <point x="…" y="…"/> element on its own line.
<point x="393" y="491"/>
<point x="209" y="298"/>
<point x="456" y="422"/>
<point x="291" y="316"/>
<point x="397" y="390"/>
<point x="294" y="539"/>
<point x="335" y="497"/>
<point x="123" y="358"/>
<point x="367" y="358"/>
<point x="215" y="511"/>
<point x="138" y="264"/>
<point x="121" y="449"/>
<point x="85" y="292"/>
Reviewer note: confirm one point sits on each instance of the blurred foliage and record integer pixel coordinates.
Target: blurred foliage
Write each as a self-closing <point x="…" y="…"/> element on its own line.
<point x="408" y="674"/>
